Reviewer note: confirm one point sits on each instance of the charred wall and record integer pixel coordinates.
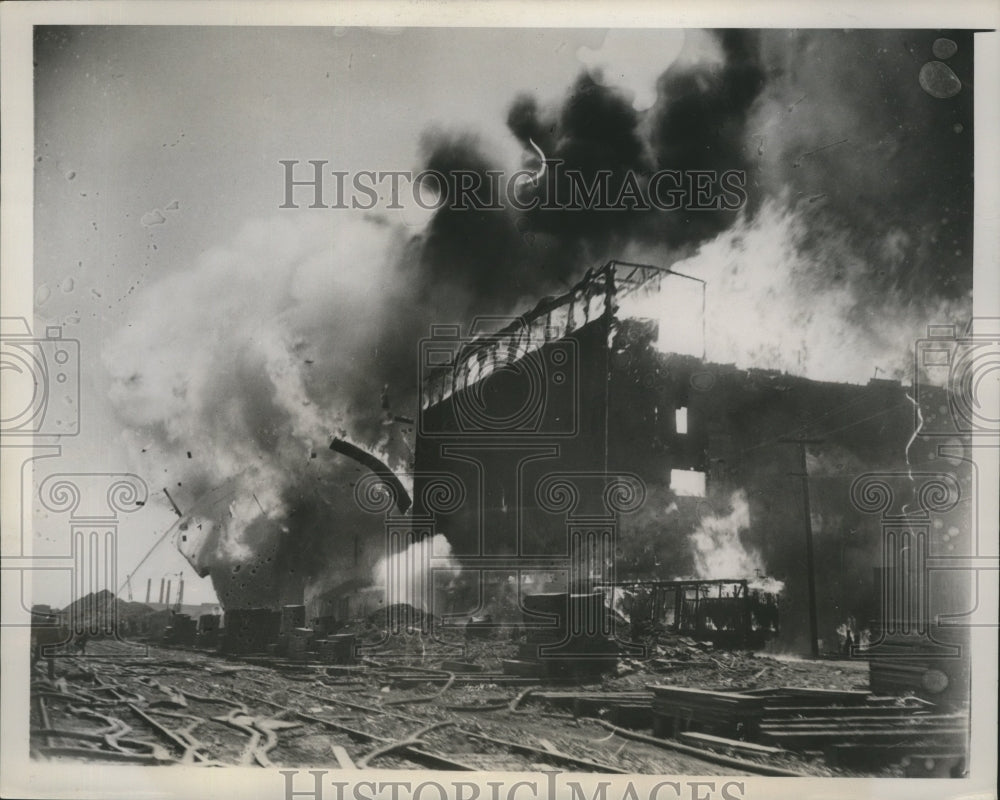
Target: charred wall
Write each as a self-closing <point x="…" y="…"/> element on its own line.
<point x="741" y="432"/>
<point x="615" y="410"/>
<point x="546" y="413"/>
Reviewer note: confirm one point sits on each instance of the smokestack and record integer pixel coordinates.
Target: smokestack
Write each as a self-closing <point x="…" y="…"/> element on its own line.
<point x="168" y="592"/>
<point x="163" y="583"/>
<point x="149" y="589"/>
<point x="180" y="592"/>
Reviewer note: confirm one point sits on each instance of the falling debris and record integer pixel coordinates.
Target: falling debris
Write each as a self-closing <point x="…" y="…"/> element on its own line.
<point x="801" y="158"/>
<point x="151" y="218"/>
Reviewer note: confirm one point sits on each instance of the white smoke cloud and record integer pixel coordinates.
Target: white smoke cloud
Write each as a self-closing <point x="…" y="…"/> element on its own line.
<point x="623" y="58"/>
<point x="412" y="575"/>
<point x="236" y="370"/>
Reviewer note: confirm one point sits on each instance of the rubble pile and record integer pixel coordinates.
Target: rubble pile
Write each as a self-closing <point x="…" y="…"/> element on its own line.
<point x="681" y="661"/>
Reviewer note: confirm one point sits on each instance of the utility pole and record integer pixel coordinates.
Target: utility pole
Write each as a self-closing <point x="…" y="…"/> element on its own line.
<point x="810" y="560"/>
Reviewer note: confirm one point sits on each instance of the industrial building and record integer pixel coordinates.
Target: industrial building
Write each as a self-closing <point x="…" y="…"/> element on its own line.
<point x="537" y="420"/>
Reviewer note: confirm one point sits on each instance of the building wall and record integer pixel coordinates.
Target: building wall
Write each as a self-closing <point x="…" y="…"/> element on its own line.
<point x="499" y="465"/>
<point x="738" y="426"/>
<point x="623" y="403"/>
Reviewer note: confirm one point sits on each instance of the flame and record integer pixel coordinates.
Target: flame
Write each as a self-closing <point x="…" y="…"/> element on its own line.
<point x="719" y="551"/>
<point x="770" y="303"/>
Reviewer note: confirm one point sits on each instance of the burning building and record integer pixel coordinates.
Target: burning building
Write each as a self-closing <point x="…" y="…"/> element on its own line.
<point x="730" y="473"/>
<point x="578" y="450"/>
<point x="672" y="466"/>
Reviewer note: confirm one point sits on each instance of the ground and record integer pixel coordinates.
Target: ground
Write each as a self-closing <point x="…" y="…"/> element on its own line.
<point x="150" y="704"/>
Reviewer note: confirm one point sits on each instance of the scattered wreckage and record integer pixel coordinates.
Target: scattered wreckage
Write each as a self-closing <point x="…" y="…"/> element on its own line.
<point x="265" y="689"/>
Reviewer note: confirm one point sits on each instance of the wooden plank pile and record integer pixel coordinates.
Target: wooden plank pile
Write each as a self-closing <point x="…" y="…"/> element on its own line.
<point x="926" y="760"/>
<point x="850" y="728"/>
<point x="811" y="732"/>
<point x="732" y="714"/>
<point x="728" y="746"/>
<point x="910" y="663"/>
<point x="625" y="709"/>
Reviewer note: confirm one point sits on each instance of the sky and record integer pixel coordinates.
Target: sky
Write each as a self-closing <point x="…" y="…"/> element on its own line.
<point x="213" y="323"/>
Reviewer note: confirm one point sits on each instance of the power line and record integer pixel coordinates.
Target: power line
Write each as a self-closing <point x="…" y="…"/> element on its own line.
<point x="219" y="494"/>
<point x="149" y="552"/>
<point x="794" y="431"/>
